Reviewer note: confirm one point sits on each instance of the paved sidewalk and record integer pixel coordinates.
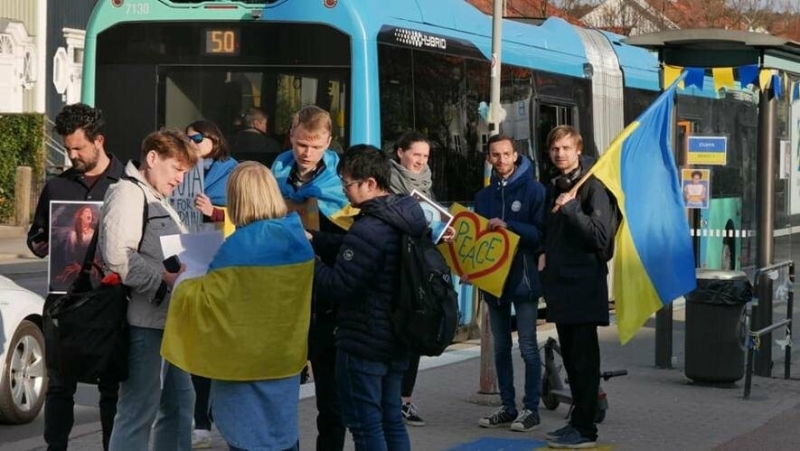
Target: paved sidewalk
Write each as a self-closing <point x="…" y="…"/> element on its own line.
<point x="650" y="408"/>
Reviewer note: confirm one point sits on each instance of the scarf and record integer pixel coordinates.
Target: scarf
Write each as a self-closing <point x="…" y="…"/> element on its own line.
<point x="404" y="181"/>
<point x="326" y="187"/>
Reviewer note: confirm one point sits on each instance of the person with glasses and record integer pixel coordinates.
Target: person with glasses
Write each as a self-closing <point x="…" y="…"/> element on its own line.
<point x="217" y="167"/>
<point x="370" y="361"/>
<point x="307" y="173"/>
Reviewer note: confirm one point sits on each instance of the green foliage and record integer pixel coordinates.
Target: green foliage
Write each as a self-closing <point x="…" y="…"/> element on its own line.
<point x="21" y="144"/>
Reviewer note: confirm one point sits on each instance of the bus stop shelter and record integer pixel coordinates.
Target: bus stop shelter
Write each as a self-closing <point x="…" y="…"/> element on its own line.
<point x="712" y="48"/>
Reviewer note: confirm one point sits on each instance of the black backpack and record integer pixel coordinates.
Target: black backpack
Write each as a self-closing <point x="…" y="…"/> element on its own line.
<point x="604" y="255"/>
<point x="425" y="310"/>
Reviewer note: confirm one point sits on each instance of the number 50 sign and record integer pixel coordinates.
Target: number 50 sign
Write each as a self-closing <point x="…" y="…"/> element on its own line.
<point x="483" y="255"/>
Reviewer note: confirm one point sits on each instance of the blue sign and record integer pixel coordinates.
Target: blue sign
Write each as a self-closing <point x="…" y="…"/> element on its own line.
<point x="707" y="150"/>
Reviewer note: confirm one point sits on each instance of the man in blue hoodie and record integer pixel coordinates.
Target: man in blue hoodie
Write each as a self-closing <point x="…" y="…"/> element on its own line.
<point x="515" y="201"/>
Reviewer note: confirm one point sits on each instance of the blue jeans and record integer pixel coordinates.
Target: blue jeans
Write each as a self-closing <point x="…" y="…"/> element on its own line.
<point x="369" y="392"/>
<point x="500" y="321"/>
<point x="142" y="401"/>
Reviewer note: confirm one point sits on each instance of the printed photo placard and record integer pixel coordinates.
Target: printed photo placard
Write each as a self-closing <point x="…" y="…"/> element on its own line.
<point x="437" y="217"/>
<point x="72" y="227"/>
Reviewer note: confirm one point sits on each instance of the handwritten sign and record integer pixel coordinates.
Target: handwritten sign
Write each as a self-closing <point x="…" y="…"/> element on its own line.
<point x="308" y="211"/>
<point x="483" y="255"/>
<point x="182" y="199"/>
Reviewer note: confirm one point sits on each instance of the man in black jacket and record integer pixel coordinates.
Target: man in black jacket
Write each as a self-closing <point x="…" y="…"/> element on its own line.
<point x="579" y="236"/>
<point x="93" y="171"/>
<point x="370" y="359"/>
<point x="253" y="142"/>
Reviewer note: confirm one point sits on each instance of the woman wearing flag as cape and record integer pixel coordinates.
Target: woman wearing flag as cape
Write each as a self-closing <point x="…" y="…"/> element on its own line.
<point x="244" y="325"/>
<point x="307" y="174"/>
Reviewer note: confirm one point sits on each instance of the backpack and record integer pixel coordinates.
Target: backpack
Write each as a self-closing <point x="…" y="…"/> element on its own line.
<point x="425" y="305"/>
<point x="604" y="255"/>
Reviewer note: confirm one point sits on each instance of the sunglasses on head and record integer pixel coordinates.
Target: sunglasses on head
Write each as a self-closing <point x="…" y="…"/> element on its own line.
<point x="197" y="138"/>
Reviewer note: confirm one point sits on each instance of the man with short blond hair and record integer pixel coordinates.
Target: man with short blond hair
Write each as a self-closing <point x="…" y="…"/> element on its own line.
<point x="308" y="171"/>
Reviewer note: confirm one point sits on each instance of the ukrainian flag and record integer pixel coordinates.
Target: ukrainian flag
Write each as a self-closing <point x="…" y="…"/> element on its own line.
<point x="326" y="187"/>
<point x="654" y="262"/>
<point x="248" y="318"/>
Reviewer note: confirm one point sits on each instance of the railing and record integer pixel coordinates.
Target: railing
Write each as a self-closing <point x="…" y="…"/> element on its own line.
<point x="57" y="157"/>
<point x="754" y="338"/>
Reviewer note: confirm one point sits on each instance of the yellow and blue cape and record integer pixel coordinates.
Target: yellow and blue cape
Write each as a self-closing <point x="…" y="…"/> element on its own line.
<point x="326" y="187"/>
<point x="247" y="319"/>
<point x="653" y="262"/>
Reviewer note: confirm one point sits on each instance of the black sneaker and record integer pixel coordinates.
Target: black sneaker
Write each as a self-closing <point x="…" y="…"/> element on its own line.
<point x="498" y="417"/>
<point x="572" y="439"/>
<point x="527" y="420"/>
<point x="411" y="416"/>
<point x="559" y="432"/>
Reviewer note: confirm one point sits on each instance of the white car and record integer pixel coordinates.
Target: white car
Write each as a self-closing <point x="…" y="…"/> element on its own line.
<point x="23" y="379"/>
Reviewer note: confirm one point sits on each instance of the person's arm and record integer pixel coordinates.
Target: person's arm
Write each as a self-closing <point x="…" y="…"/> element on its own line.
<point x="39" y="233"/>
<point x="326" y="245"/>
<point x="120" y="233"/>
<point x="356" y="265"/>
<point x="591" y="218"/>
<point x="217" y="215"/>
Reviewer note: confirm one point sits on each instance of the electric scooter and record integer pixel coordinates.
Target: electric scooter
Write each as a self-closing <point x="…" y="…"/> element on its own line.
<point x="555" y="389"/>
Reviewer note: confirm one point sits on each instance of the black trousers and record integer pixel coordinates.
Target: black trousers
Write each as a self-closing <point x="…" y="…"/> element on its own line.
<point x="581" y="354"/>
<point x="322" y="354"/>
<point x="59" y="414"/>
<point x="202" y="388"/>
<point x="410" y="376"/>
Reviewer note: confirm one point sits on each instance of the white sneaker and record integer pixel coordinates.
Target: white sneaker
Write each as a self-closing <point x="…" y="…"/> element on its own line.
<point x="201" y="439"/>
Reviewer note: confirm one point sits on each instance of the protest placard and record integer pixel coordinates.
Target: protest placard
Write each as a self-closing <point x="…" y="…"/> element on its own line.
<point x="72" y="226"/>
<point x="182" y="199"/>
<point x="483" y="255"/>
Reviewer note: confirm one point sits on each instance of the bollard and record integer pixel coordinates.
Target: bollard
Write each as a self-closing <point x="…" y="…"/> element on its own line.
<point x="22" y="196"/>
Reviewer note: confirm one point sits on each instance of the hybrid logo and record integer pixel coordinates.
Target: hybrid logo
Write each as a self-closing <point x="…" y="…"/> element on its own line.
<point x="419" y="39"/>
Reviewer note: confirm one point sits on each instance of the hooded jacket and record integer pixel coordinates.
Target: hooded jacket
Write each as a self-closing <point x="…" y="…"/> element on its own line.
<point x="519" y="201"/>
<point x="363" y="278"/>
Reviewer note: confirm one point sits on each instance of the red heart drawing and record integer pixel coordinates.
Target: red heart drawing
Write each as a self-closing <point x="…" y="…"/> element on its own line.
<point x="470" y="216"/>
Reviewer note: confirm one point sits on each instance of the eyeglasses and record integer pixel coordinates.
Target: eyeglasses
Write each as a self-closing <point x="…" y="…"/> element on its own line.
<point x="197" y="138"/>
<point x="350" y="183"/>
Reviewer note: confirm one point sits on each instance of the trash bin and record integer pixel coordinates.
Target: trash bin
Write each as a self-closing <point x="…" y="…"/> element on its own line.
<point x="716" y="330"/>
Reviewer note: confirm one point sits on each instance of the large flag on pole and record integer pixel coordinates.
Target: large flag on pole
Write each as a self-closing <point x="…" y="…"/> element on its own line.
<point x="654" y="261"/>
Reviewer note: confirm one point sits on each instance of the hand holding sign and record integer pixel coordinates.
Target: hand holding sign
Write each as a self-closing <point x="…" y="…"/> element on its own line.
<point x="480" y="251"/>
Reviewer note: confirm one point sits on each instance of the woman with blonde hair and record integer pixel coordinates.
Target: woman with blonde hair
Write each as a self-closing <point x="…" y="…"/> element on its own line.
<point x="244" y="325"/>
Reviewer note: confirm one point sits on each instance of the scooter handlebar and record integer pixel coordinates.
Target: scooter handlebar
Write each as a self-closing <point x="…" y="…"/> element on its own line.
<point x="609" y="374"/>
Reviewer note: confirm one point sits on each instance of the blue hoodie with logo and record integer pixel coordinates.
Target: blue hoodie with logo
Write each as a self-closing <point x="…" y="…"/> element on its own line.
<point x="520" y="202"/>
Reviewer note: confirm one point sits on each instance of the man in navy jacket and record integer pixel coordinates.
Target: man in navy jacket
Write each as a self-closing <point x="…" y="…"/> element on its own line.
<point x="515" y="201"/>
<point x="370" y="359"/>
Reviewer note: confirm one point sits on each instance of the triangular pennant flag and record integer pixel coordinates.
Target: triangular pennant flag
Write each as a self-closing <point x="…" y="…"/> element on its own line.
<point x="671" y="73"/>
<point x="777" y="86"/>
<point x="764" y="78"/>
<point x="723" y="78"/>
<point x="748" y="74"/>
<point x="695" y="76"/>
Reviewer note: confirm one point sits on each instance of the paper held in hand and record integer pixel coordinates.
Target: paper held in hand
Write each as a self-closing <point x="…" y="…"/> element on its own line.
<point x="437" y="217"/>
<point x="195" y="250"/>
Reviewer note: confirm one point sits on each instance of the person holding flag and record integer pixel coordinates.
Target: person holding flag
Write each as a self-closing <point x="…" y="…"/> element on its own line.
<point x="628" y="205"/>
<point x="579" y="227"/>
<point x="305" y="174"/>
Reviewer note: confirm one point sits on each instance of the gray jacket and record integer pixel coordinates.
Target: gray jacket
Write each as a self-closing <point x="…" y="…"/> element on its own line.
<point x="120" y="231"/>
